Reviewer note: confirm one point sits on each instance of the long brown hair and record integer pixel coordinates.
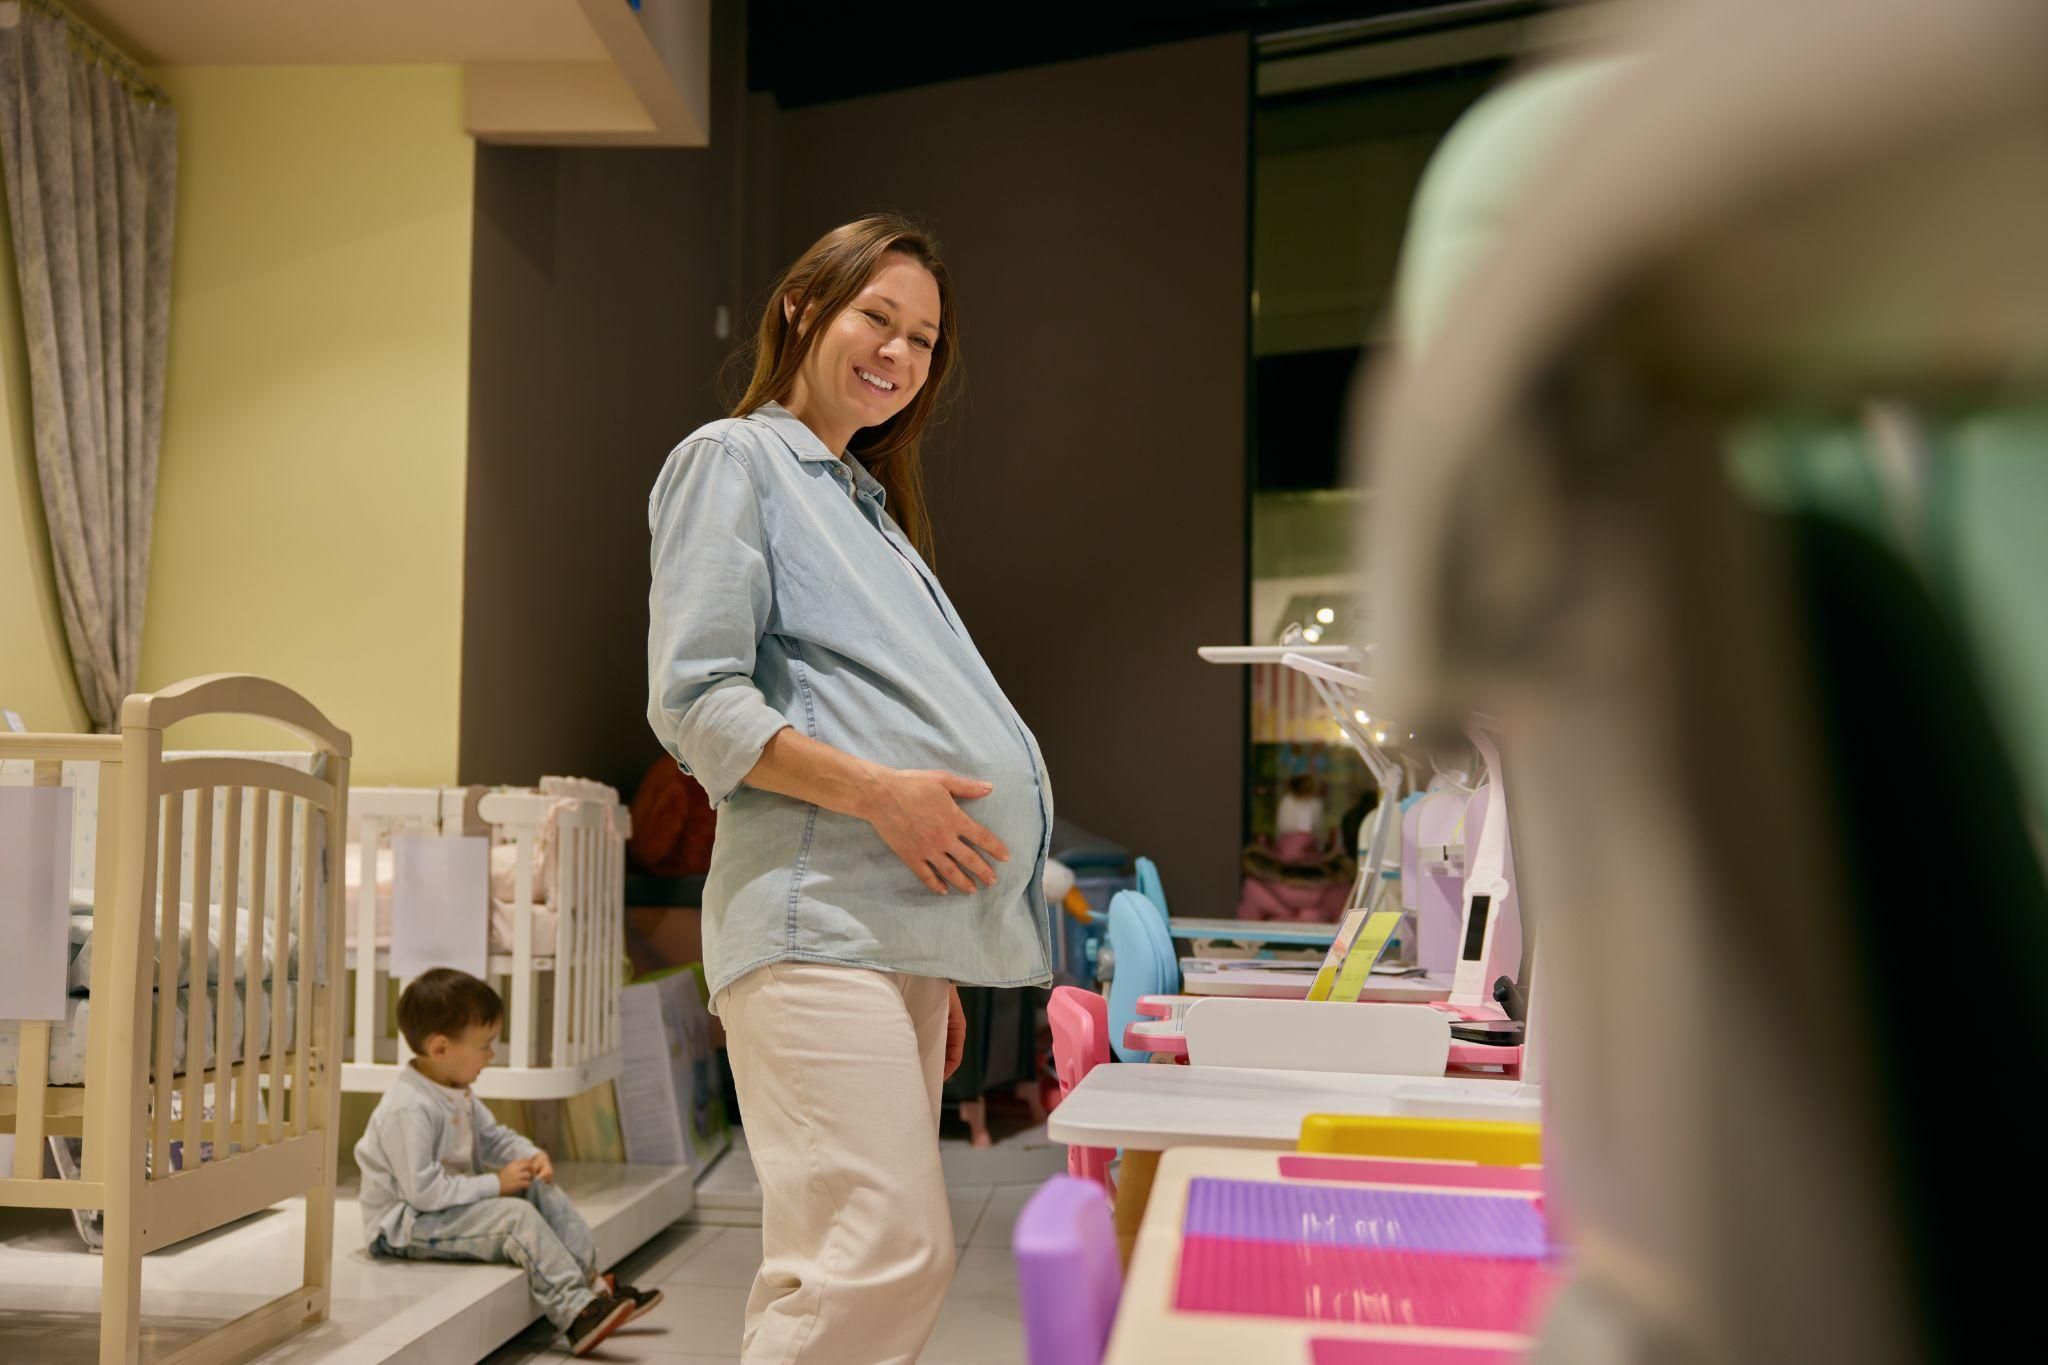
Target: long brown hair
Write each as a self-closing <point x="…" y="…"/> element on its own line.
<point x="829" y="274"/>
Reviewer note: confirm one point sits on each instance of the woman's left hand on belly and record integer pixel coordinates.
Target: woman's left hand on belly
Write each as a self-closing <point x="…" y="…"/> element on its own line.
<point x="918" y="815"/>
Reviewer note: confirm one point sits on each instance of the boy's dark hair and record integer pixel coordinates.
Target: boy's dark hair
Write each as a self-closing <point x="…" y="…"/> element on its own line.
<point x="445" y="1001"/>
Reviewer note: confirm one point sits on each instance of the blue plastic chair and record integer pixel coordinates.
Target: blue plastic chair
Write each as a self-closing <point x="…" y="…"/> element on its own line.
<point x="1154" y="889"/>
<point x="1145" y="964"/>
<point x="1068" y="1277"/>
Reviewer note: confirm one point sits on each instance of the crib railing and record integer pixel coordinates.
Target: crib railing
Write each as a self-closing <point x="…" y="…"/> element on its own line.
<point x="379" y="814"/>
<point x="561" y="1019"/>
<point x="185" y="846"/>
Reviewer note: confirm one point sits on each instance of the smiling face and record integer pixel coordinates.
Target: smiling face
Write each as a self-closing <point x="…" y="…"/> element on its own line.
<point x="874" y="356"/>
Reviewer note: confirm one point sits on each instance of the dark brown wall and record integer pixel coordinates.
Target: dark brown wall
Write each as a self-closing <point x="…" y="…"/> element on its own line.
<point x="596" y="275"/>
<point x="1089" y="489"/>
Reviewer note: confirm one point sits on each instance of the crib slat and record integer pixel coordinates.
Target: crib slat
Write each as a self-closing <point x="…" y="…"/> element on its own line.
<point x="615" y="926"/>
<point x="170" y="890"/>
<point x="195" y="989"/>
<point x="32" y="1055"/>
<point x="224" y="997"/>
<point x="566" y="912"/>
<point x="590" y="970"/>
<point x="576" y="957"/>
<point x="368" y="852"/>
<point x="280" y="984"/>
<point x="608" y="920"/>
<point x="568" y="901"/>
<point x="607" y="926"/>
<point x="111" y="1127"/>
<point x="32" y="1073"/>
<point x="390" y="989"/>
<point x="309" y="868"/>
<point x="253" y="989"/>
<point x="522" y="948"/>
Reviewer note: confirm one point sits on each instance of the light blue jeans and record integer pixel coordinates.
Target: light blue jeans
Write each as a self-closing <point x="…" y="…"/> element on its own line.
<point x="539" y="1230"/>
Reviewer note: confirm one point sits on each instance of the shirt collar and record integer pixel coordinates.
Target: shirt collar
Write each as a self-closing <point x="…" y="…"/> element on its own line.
<point x="434" y="1087"/>
<point x="805" y="445"/>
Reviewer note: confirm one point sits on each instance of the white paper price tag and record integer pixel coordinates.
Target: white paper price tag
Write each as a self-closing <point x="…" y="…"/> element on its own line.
<point x="35" y="864"/>
<point x="440" y="904"/>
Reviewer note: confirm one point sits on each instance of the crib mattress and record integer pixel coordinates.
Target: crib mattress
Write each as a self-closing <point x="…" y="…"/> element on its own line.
<point x="68" y="1038"/>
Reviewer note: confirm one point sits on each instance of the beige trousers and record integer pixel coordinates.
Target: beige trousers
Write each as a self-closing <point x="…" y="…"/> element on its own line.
<point x="838" y="1073"/>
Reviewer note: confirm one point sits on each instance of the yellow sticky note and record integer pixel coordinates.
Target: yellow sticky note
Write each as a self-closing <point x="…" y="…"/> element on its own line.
<point x="1358" y="963"/>
<point x="1347" y="933"/>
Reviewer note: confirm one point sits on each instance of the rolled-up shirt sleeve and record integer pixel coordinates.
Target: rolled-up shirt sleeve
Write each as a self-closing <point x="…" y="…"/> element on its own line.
<point x="707" y="608"/>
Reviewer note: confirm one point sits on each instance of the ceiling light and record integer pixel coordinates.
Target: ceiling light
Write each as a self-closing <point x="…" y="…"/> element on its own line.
<point x="1325" y="615"/>
<point x="1363" y="719"/>
<point x="1312" y="634"/>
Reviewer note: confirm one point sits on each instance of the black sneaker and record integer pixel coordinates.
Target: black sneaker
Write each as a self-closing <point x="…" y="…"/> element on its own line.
<point x="597" y="1322"/>
<point x="644" y="1301"/>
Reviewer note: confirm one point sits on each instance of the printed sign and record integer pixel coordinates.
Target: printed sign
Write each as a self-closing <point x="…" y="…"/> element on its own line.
<point x="35" y="912"/>
<point x="440" y="904"/>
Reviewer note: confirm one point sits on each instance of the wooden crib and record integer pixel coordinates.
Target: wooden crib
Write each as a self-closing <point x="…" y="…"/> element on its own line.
<point x="558" y="950"/>
<point x="259" y="864"/>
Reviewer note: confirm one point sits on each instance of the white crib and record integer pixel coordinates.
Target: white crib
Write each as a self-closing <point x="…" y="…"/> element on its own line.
<point x="557" y="943"/>
<point x="199" y="1067"/>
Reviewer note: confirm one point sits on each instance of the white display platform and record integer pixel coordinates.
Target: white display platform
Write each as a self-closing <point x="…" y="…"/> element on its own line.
<point x="422" y="1313"/>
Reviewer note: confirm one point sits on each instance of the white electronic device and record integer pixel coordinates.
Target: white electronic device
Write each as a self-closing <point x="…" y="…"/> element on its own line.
<point x="1486" y="887"/>
<point x="1475" y="943"/>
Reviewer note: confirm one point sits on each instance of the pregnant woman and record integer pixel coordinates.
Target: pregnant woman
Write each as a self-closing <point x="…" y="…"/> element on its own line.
<point x="884" y="813"/>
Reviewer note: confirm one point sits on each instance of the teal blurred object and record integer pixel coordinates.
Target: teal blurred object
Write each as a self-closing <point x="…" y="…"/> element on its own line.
<point x="1152" y="887"/>
<point x="1144" y="964"/>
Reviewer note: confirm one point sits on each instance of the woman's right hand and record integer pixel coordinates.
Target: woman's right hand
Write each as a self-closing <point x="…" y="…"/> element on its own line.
<point x="917" y="813"/>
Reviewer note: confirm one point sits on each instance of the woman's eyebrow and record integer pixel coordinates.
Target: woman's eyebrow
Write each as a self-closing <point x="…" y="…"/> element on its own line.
<point x="893" y="304"/>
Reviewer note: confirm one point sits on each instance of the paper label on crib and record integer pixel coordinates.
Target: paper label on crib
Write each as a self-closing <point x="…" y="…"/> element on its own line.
<point x="35" y="911"/>
<point x="440" y="904"/>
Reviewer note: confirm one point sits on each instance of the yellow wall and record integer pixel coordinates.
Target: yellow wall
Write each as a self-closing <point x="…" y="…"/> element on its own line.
<point x="310" y="497"/>
<point x="35" y="665"/>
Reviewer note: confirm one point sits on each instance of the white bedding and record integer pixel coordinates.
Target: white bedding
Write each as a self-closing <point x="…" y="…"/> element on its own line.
<point x="68" y="1037"/>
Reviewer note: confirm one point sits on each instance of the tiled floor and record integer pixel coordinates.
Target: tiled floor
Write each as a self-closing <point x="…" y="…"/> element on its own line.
<point x="704" y="1267"/>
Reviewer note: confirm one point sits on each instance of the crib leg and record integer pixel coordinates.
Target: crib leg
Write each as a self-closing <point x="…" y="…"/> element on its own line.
<point x="120" y="1288"/>
<point x="319" y="1248"/>
<point x="324" y="1095"/>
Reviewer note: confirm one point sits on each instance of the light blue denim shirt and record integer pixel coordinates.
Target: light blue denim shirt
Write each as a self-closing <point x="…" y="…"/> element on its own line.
<point x="785" y="594"/>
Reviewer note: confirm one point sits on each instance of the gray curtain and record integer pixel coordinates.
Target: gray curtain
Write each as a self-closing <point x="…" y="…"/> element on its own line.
<point x="91" y="162"/>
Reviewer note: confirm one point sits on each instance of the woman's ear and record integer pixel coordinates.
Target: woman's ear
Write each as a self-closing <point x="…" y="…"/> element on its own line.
<point x="789" y="311"/>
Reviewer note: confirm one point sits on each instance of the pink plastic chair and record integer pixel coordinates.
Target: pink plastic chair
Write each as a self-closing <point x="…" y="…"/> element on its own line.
<point x="1080" y="1043"/>
<point x="1068" y="1276"/>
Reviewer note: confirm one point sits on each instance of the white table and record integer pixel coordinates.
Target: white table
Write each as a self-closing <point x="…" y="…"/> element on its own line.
<point x="1200" y="978"/>
<point x="1148" y="1109"/>
<point x="1153" y="1108"/>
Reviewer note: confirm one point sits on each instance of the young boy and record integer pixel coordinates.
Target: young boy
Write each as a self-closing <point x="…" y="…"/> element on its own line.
<point x="426" y="1194"/>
